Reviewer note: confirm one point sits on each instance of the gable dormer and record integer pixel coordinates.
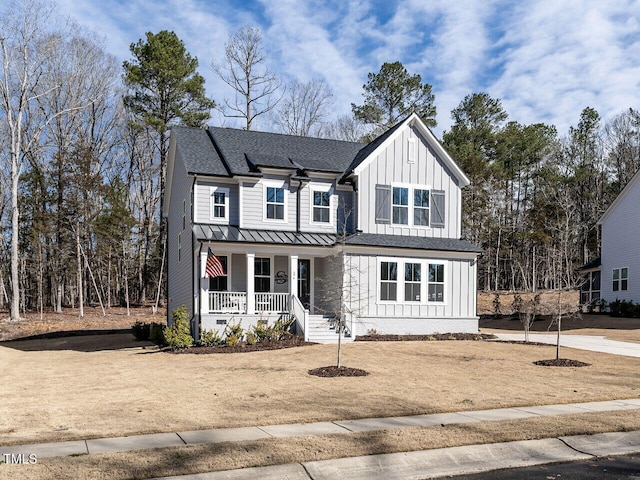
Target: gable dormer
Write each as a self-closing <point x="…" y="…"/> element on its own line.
<point x="408" y="184"/>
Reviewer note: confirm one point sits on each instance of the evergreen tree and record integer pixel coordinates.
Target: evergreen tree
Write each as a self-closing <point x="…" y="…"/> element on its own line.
<point x="392" y="94"/>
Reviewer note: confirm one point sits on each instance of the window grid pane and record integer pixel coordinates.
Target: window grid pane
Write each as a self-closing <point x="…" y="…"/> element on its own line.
<point x="401" y="205"/>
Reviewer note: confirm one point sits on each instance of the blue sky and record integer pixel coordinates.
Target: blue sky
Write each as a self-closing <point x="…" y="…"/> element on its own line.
<point x="545" y="59"/>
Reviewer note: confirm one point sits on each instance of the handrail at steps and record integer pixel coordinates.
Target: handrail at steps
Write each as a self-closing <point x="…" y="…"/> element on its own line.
<point x="301" y="314"/>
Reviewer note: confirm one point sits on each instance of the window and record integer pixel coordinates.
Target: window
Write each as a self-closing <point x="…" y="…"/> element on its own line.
<point x="435" y="283"/>
<point x="262" y="274"/>
<point x="412" y="277"/>
<point x="421" y="207"/>
<point x="179" y="246"/>
<point x="275" y="202"/>
<point x="220" y="283"/>
<point x="393" y="206"/>
<point x="401" y="205"/>
<point x="219" y="203"/>
<point x="321" y="207"/>
<point x="388" y="281"/>
<point x="620" y="279"/>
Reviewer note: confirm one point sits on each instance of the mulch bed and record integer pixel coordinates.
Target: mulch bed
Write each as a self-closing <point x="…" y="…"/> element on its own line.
<point x="334" y="371"/>
<point x="289" y="342"/>
<point x="424" y="338"/>
<point x="561" y="362"/>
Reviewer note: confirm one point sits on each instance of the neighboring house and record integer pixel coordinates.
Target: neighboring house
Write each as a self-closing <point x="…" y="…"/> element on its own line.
<point x="300" y="223"/>
<point x="620" y="248"/>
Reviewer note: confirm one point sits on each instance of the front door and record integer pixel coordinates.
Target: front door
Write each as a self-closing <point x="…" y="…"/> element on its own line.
<point x="304" y="282"/>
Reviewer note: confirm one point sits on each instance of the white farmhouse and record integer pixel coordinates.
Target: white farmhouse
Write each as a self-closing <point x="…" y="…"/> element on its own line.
<point x="303" y="226"/>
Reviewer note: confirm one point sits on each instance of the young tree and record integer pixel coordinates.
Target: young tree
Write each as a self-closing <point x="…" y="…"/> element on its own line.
<point x="304" y="107"/>
<point x="392" y="94"/>
<point x="245" y="70"/>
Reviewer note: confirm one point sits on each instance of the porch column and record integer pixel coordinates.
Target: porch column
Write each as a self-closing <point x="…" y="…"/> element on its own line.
<point x="204" y="283"/>
<point x="293" y="275"/>
<point x="251" y="297"/>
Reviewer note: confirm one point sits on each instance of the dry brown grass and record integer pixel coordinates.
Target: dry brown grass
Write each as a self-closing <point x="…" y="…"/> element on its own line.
<point x="274" y="451"/>
<point x="100" y="386"/>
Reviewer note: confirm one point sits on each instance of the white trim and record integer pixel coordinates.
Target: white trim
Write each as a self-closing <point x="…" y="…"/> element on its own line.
<point x="414" y="121"/>
<point x="213" y="190"/>
<point x="271" y="183"/>
<point x="240" y="204"/>
<point x="323" y="188"/>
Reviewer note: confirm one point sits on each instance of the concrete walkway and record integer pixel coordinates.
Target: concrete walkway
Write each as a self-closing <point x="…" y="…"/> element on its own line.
<point x="581" y="342"/>
<point x="421" y="464"/>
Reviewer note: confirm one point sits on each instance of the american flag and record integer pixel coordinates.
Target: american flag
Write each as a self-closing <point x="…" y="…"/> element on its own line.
<point x="214" y="266"/>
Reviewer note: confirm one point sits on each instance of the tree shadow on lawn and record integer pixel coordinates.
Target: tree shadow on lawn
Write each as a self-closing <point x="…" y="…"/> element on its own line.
<point x="79" y="341"/>
<point x="543" y="323"/>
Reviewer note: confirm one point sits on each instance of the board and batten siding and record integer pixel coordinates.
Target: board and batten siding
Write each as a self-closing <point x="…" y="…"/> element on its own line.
<point x="456" y="314"/>
<point x="620" y="245"/>
<point x="391" y="167"/>
<point x="202" y="195"/>
<point x="180" y="258"/>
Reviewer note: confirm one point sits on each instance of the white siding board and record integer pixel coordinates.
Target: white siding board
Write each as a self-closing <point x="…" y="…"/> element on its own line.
<point x="179" y="280"/>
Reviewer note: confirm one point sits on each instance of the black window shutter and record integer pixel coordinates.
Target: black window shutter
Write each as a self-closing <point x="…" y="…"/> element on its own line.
<point x="383" y="204"/>
<point x="437" y="208"/>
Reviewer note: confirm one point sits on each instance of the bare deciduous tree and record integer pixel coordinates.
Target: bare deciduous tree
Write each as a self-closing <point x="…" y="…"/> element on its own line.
<point x="245" y="70"/>
<point x="304" y="107"/>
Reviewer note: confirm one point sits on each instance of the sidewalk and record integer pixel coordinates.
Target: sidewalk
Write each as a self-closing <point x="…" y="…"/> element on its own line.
<point x="449" y="461"/>
<point x="581" y="342"/>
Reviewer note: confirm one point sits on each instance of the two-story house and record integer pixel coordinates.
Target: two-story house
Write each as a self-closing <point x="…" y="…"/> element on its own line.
<point x="315" y="227"/>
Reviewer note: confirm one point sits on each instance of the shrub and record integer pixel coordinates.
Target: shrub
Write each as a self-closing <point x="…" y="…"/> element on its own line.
<point x="233" y="333"/>
<point x="141" y="330"/>
<point x="156" y="334"/>
<point x="251" y="338"/>
<point x="178" y="335"/>
<point x="282" y="327"/>
<point x="210" y="338"/>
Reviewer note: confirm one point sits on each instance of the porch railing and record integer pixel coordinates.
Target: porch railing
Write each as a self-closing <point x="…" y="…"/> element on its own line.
<point x="227" y="302"/>
<point x="236" y="302"/>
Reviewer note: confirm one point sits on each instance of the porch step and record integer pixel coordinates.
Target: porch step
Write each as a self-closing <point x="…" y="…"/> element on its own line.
<point x="321" y="330"/>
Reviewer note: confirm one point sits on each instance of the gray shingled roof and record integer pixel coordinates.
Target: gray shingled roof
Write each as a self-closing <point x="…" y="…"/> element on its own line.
<point x="197" y="151"/>
<point x="420" y="243"/>
<point x="277" y="150"/>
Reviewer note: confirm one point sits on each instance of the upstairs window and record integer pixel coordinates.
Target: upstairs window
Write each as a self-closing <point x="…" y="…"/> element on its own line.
<point x="401" y="205"/>
<point x="219" y="203"/>
<point x="321" y="207"/>
<point x="275" y="203"/>
<point x="420" y="207"/>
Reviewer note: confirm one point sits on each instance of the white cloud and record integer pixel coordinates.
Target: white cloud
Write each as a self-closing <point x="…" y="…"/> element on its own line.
<point x="545" y="59"/>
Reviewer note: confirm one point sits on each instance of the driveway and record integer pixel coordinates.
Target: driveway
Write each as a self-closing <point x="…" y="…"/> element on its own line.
<point x="581" y="342"/>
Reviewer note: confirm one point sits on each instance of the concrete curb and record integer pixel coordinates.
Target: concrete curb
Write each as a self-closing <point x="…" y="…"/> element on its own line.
<point x="244" y="434"/>
<point x="442" y="462"/>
